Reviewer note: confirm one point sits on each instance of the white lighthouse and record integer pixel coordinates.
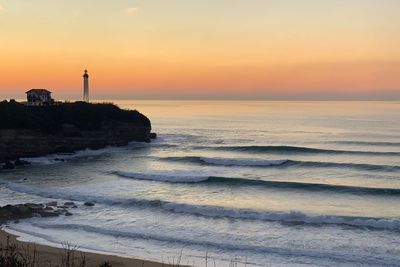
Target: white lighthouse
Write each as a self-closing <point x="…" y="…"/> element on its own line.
<point x="86" y="86"/>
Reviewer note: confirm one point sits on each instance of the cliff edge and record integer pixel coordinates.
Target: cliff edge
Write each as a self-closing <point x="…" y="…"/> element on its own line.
<point x="67" y="127"/>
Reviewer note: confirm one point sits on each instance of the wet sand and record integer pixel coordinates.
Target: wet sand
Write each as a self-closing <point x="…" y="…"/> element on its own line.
<point x="51" y="256"/>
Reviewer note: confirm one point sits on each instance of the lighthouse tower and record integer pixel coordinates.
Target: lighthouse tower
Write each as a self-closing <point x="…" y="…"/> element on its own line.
<point x="86" y="86"/>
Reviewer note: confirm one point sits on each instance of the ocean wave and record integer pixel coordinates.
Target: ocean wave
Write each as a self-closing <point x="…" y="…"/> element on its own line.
<point x="88" y="153"/>
<point x="205" y="244"/>
<point x="306" y="186"/>
<point x="62" y="193"/>
<point x="228" y="161"/>
<point x="58" y="158"/>
<point x="286" y="185"/>
<point x="296" y="217"/>
<point x="293" y="150"/>
<point x="367" y="143"/>
<point x="171" y="177"/>
<point x="217" y="211"/>
<point x="249" y="162"/>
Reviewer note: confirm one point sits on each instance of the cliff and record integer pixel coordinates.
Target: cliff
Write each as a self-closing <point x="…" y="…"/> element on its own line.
<point x="38" y="131"/>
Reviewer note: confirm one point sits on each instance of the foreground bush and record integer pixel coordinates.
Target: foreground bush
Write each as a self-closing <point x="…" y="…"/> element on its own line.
<point x="49" y="119"/>
<point x="13" y="256"/>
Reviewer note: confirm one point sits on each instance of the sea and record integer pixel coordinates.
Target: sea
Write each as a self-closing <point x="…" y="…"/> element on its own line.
<point x="230" y="183"/>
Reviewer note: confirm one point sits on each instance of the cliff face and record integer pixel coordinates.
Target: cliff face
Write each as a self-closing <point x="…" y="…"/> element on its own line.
<point x="64" y="135"/>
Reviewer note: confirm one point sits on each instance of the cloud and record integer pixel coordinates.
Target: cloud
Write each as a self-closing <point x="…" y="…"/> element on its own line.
<point x="130" y="10"/>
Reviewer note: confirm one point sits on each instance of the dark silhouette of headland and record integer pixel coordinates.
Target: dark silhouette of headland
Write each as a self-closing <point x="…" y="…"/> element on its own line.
<point x="42" y="126"/>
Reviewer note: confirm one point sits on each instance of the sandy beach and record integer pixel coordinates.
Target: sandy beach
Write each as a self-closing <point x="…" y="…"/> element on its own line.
<point x="51" y="256"/>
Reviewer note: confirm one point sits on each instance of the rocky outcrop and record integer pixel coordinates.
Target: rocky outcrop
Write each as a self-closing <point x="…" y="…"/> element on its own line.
<point x="19" y="143"/>
<point x="28" y="210"/>
<point x="34" y="132"/>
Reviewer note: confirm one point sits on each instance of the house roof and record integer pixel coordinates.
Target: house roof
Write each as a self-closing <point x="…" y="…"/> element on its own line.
<point x="39" y="91"/>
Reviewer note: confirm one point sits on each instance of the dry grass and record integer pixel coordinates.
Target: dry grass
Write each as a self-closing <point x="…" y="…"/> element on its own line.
<point x="70" y="256"/>
<point x="13" y="256"/>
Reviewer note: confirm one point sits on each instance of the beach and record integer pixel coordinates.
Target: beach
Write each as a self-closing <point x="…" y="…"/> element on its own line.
<point x="53" y="255"/>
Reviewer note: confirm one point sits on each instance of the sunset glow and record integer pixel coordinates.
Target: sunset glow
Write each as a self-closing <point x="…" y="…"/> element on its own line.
<point x="202" y="49"/>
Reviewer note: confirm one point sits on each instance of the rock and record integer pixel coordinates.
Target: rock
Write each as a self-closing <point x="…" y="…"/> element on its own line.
<point x="52" y="204"/>
<point x="28" y="210"/>
<point x="34" y="206"/>
<point x="153" y="136"/>
<point x="25" y="130"/>
<point x="68" y="214"/>
<point x="89" y="204"/>
<point x="69" y="204"/>
<point x="20" y="162"/>
<point x="9" y="165"/>
<point x="70" y="130"/>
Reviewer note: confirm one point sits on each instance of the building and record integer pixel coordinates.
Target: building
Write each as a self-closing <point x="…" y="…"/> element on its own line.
<point x="86" y="86"/>
<point x="39" y="97"/>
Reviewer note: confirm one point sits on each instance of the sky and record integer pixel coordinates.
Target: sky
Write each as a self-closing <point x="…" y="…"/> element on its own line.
<point x="202" y="49"/>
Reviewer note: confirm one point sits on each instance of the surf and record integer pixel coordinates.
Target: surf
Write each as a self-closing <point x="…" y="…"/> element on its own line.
<point x="278" y="163"/>
<point x="258" y="149"/>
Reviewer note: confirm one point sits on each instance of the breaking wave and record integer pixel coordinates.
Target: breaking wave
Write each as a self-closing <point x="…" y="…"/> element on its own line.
<point x="293" y="150"/>
<point x="217" y="211"/>
<point x="248" y="162"/>
<point x="367" y="143"/>
<point x="286" y="185"/>
<point x="203" y="243"/>
<point x="58" y="158"/>
<point x="170" y="177"/>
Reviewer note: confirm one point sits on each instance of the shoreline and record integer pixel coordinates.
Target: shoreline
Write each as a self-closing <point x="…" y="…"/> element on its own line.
<point x="53" y="255"/>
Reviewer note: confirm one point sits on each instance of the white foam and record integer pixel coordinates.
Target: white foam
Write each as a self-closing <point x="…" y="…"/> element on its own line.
<point x="289" y="217"/>
<point x="215" y="211"/>
<point x="166" y="176"/>
<point x="58" y="158"/>
<point x="242" y="162"/>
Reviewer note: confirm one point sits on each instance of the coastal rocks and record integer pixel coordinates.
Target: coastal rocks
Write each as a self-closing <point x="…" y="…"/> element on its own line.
<point x="68" y="127"/>
<point x="70" y="130"/>
<point x="21" y="143"/>
<point x="89" y="204"/>
<point x="153" y="136"/>
<point x="20" y="162"/>
<point x="70" y="205"/>
<point x="52" y="204"/>
<point x="29" y="210"/>
<point x="8" y="165"/>
<point x="23" y="211"/>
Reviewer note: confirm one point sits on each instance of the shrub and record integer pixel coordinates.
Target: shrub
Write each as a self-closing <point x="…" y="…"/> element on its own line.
<point x="49" y="119"/>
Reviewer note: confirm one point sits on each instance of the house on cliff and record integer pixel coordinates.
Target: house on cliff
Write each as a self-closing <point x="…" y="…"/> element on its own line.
<point x="39" y="97"/>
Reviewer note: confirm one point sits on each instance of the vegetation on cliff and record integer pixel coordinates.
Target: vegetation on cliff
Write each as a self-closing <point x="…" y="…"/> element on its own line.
<point x="50" y="119"/>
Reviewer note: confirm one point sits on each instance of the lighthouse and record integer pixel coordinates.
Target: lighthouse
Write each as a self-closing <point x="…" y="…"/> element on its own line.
<point x="86" y="86"/>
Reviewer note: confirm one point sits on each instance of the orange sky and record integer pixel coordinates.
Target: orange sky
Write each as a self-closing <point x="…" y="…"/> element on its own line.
<point x="202" y="49"/>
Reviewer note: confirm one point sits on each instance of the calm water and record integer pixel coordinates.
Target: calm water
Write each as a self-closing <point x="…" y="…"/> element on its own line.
<point x="270" y="183"/>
